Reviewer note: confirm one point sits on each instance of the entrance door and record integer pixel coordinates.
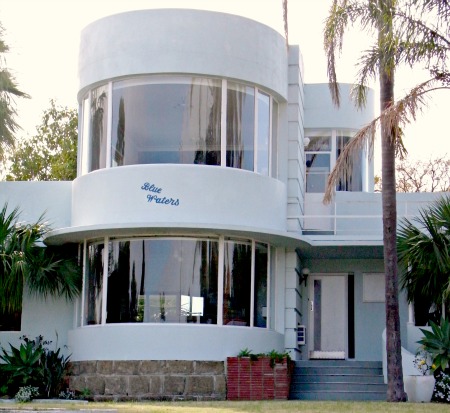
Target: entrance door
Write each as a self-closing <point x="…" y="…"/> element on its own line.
<point x="328" y="316"/>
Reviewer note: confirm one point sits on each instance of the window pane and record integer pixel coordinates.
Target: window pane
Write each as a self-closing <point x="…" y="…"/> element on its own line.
<point x="237" y="282"/>
<point x="93" y="285"/>
<point x="261" y="262"/>
<point x="240" y="126"/>
<point x="274" y="168"/>
<point x="317" y="171"/>
<point x="159" y="281"/>
<point x="166" y="123"/>
<point x="85" y="138"/>
<point x="263" y="133"/>
<point x="319" y="144"/>
<point x="99" y="127"/>
<point x="352" y="179"/>
<point x="125" y="282"/>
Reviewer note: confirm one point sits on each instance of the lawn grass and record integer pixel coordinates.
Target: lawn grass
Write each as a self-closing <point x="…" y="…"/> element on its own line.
<point x="242" y="407"/>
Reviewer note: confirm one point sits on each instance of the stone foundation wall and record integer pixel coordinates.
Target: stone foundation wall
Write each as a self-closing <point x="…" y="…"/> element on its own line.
<point x="149" y="380"/>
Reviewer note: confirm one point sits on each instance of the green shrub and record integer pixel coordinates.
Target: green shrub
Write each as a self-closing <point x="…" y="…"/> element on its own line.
<point x="275" y="356"/>
<point x="34" y="364"/>
<point x="437" y="343"/>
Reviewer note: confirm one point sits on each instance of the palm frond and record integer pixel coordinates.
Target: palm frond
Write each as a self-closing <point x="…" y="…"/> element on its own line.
<point x="285" y="21"/>
<point x="424" y="254"/>
<point x="395" y="117"/>
<point x="24" y="261"/>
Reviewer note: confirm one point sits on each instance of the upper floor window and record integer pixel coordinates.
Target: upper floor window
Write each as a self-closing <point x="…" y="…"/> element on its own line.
<point x="323" y="150"/>
<point x="177" y="120"/>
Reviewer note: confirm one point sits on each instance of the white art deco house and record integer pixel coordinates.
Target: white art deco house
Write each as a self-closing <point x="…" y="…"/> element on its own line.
<point x="198" y="213"/>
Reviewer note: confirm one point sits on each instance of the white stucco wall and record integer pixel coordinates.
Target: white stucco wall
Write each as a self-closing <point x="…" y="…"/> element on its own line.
<point x="320" y="112"/>
<point x="51" y="317"/>
<point x="169" y="342"/>
<point x="182" y="196"/>
<point x="183" y="41"/>
<point x="53" y="199"/>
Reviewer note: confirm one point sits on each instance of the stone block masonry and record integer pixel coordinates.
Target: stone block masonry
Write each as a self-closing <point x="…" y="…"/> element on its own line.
<point x="120" y="380"/>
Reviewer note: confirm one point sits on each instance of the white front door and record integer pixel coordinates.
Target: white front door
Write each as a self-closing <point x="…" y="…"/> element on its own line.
<point x="328" y="316"/>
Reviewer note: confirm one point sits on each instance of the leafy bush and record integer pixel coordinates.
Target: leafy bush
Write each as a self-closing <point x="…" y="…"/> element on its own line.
<point x="275" y="356"/>
<point x="437" y="343"/>
<point x="34" y="364"/>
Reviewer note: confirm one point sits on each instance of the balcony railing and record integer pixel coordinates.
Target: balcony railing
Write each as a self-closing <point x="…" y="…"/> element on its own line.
<point x="355" y="213"/>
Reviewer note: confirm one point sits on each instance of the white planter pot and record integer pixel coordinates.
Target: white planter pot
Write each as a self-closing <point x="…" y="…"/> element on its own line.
<point x="419" y="388"/>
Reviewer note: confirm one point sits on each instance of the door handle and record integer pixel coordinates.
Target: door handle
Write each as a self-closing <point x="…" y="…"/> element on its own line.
<point x="311" y="305"/>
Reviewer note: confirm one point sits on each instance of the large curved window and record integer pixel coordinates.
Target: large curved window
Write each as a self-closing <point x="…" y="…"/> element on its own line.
<point x="156" y="281"/>
<point x="172" y="280"/>
<point x="177" y="120"/>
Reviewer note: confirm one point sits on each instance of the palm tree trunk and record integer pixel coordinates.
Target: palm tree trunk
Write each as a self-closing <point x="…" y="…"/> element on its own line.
<point x="395" y="390"/>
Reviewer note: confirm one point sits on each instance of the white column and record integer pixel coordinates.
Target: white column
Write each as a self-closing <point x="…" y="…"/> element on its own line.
<point x="411" y="319"/>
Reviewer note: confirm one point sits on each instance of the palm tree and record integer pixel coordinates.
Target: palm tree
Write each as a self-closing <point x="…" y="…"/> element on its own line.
<point x="381" y="60"/>
<point x="409" y="32"/>
<point x="8" y="89"/>
<point x="25" y="262"/>
<point x="424" y="252"/>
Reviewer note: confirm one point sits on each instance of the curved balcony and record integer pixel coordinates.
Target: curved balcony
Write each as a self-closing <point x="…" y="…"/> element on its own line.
<point x="163" y="198"/>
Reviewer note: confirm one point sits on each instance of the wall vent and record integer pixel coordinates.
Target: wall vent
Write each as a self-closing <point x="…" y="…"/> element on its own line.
<point x="301" y="335"/>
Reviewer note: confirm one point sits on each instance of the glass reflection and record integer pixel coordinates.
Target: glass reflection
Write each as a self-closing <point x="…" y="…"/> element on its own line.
<point x="158" y="281"/>
<point x="99" y="127"/>
<point x="261" y="262"/>
<point x="93" y="282"/>
<point x="317" y="171"/>
<point x="237" y="283"/>
<point x="240" y="126"/>
<point x="176" y="122"/>
<point x="263" y="133"/>
<point x="85" y="137"/>
<point x="351" y="179"/>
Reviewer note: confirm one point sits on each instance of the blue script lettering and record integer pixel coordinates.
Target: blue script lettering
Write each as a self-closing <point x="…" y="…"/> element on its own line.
<point x="163" y="200"/>
<point x="151" y="188"/>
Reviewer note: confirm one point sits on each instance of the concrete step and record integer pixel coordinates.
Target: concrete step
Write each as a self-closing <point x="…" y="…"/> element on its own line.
<point x="341" y="386"/>
<point x="337" y="377"/>
<point x="338" y="380"/>
<point x="347" y="396"/>
<point x="338" y="370"/>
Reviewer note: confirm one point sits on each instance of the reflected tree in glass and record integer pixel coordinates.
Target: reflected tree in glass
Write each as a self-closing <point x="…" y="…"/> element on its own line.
<point x="119" y="151"/>
<point x="240" y="126"/>
<point x="99" y="118"/>
<point x="237" y="283"/>
<point x="119" y="281"/>
<point x="260" y="302"/>
<point x="94" y="284"/>
<point x="203" y="123"/>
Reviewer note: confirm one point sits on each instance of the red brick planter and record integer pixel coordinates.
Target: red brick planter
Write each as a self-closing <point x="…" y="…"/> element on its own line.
<point x="257" y="380"/>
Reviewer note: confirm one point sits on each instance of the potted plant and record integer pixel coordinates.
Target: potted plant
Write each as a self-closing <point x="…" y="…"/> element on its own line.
<point x="420" y="388"/>
<point x="265" y="376"/>
<point x="437" y="343"/>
